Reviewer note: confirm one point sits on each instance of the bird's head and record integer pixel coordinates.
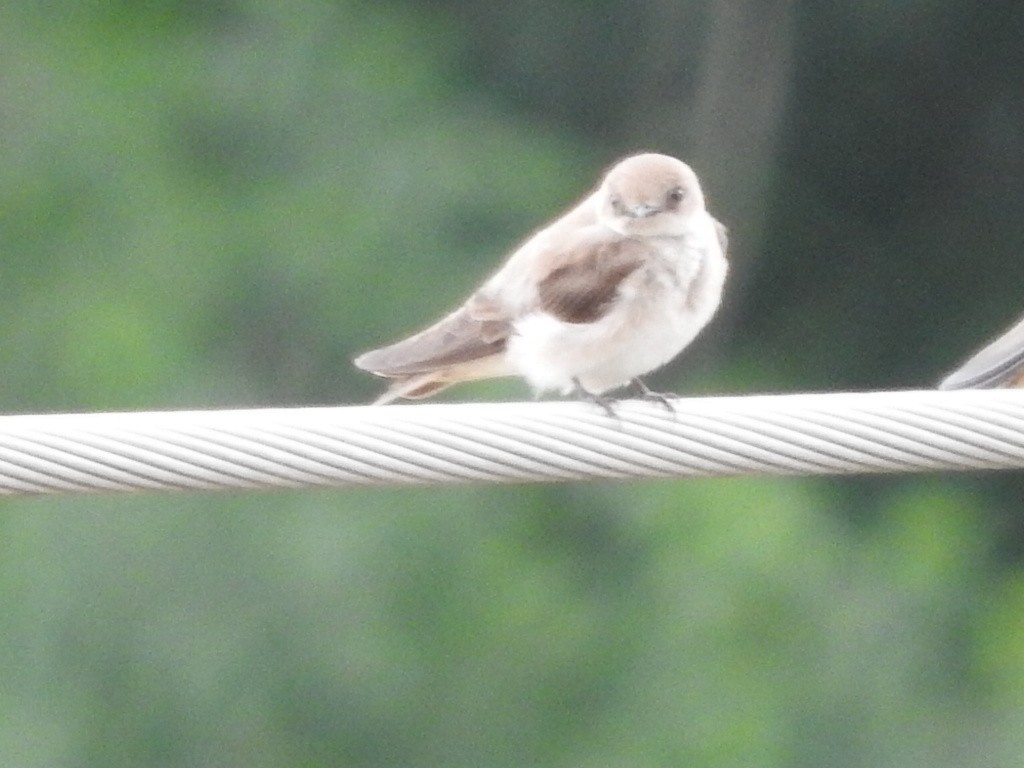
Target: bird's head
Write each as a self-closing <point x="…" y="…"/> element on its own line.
<point x="650" y="195"/>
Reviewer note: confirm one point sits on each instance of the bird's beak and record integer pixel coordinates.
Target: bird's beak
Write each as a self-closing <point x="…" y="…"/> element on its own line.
<point x="644" y="210"/>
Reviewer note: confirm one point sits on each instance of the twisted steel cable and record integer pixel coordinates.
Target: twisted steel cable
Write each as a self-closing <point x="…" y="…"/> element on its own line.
<point x="502" y="442"/>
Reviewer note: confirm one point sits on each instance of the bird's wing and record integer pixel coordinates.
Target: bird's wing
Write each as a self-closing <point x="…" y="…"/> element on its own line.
<point x="572" y="273"/>
<point x="583" y="279"/>
<point x="474" y="331"/>
<point x="996" y="364"/>
<point x="479" y="328"/>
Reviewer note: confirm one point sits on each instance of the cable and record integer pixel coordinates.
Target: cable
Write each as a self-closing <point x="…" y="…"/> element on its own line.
<point x="908" y="431"/>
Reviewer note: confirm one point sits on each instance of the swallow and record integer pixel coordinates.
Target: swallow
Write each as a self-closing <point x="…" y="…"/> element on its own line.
<point x="1000" y="363"/>
<point x="611" y="290"/>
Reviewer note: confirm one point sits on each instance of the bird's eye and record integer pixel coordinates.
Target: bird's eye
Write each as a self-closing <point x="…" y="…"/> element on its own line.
<point x="677" y="195"/>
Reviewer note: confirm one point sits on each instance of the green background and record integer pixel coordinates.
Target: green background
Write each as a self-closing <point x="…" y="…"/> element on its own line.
<point x="217" y="204"/>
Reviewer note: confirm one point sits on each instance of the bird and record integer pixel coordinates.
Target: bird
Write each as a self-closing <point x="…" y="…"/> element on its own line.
<point x="1000" y="363"/>
<point x="609" y="291"/>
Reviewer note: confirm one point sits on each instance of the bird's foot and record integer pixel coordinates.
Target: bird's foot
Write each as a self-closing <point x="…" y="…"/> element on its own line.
<point x="646" y="393"/>
<point x="605" y="402"/>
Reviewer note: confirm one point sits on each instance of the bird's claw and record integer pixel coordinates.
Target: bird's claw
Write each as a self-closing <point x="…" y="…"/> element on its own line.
<point x="646" y="393"/>
<point x="604" y="402"/>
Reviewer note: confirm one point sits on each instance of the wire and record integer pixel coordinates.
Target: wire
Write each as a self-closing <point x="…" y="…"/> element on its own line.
<point x="908" y="431"/>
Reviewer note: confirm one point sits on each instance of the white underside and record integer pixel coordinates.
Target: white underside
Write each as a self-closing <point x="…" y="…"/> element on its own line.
<point x="660" y="309"/>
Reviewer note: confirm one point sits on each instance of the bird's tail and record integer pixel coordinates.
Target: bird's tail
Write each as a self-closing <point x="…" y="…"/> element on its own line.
<point x="414" y="387"/>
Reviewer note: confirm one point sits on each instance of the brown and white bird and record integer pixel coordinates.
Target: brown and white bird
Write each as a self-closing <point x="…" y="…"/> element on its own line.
<point x="1000" y="363"/>
<point x="611" y="290"/>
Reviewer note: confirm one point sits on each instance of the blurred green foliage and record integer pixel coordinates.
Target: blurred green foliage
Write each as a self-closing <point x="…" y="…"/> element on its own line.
<point x="209" y="204"/>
